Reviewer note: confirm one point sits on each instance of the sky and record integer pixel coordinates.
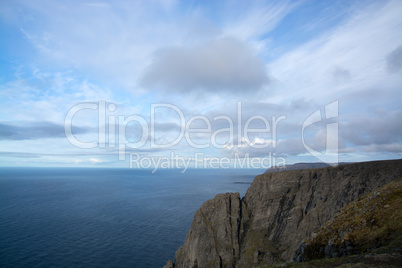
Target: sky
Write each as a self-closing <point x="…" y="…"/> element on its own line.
<point x="199" y="84"/>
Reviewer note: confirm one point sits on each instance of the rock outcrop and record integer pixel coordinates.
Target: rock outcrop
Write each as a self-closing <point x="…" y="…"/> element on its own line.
<point x="277" y="213"/>
<point x="213" y="239"/>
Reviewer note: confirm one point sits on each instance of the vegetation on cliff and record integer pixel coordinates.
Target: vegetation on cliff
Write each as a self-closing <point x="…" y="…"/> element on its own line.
<point x="372" y="224"/>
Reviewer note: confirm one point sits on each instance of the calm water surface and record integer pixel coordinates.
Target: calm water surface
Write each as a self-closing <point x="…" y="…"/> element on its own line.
<point x="70" y="217"/>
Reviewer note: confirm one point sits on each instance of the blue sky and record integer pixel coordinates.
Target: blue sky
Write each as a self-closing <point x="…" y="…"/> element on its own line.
<point x="157" y="73"/>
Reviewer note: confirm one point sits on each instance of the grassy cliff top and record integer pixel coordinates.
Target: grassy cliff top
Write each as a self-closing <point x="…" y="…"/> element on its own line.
<point x="372" y="222"/>
<point x="367" y="231"/>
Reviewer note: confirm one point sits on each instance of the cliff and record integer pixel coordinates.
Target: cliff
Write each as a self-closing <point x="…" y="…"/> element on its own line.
<point x="279" y="211"/>
<point x="372" y="224"/>
<point x="297" y="166"/>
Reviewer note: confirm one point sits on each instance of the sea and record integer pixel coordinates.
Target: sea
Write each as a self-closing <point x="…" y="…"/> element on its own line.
<point x="100" y="217"/>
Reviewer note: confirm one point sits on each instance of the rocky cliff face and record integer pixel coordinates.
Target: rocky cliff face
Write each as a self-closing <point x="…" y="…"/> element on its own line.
<point x="277" y="213"/>
<point x="213" y="239"/>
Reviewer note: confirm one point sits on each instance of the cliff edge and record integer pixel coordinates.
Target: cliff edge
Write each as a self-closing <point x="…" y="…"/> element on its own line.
<point x="279" y="211"/>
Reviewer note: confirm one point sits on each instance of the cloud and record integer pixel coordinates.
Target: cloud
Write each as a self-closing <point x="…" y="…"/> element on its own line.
<point x="341" y="75"/>
<point x="382" y="129"/>
<point x="254" y="20"/>
<point x="95" y="51"/>
<point x="97" y="38"/>
<point x="356" y="47"/>
<point x="394" y="60"/>
<point x="19" y="155"/>
<point x="393" y="147"/>
<point x="35" y="130"/>
<point x="225" y="64"/>
<point x="283" y="147"/>
<point x="375" y="134"/>
<point x="90" y="161"/>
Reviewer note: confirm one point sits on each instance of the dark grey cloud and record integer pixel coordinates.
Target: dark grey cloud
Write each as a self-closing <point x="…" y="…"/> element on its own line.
<point x="382" y="133"/>
<point x="287" y="118"/>
<point x="341" y="75"/>
<point x="225" y="64"/>
<point x="166" y="127"/>
<point x="379" y="133"/>
<point x="20" y="154"/>
<point x="103" y="153"/>
<point x="42" y="130"/>
<point x="35" y="130"/>
<point x="358" y="100"/>
<point x="394" y="60"/>
<point x="382" y="129"/>
<point x="384" y="148"/>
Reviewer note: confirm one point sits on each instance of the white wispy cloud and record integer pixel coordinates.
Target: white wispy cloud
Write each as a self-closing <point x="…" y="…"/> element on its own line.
<point x="251" y="21"/>
<point x="358" y="47"/>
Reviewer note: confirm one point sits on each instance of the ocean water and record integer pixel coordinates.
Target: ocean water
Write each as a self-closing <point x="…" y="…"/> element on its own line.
<point x="71" y="217"/>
